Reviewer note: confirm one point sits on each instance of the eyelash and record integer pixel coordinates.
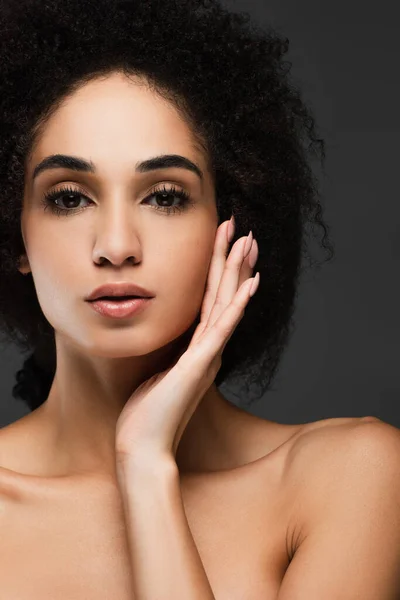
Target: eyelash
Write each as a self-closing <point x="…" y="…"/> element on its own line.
<point x="49" y="199"/>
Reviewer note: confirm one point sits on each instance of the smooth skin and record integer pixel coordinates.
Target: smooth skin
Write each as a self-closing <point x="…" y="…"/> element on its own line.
<point x="337" y="484"/>
<point x="151" y="435"/>
<point x="115" y="233"/>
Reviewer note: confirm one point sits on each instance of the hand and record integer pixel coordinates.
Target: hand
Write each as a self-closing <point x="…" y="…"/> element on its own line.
<point x="155" y="416"/>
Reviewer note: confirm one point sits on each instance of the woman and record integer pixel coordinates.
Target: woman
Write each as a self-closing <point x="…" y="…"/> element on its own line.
<point x="149" y="125"/>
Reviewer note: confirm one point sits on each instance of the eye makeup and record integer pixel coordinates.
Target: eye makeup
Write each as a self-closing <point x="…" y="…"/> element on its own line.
<point x="49" y="199"/>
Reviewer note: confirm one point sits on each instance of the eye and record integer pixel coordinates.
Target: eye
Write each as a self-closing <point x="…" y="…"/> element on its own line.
<point x="166" y="193"/>
<point x="68" y="195"/>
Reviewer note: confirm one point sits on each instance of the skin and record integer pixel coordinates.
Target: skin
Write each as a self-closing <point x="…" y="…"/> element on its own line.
<point x="116" y="237"/>
<point x="100" y="362"/>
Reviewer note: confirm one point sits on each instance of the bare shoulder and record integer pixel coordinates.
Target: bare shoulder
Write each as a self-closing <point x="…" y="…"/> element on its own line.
<point x="331" y="457"/>
<point x="329" y="439"/>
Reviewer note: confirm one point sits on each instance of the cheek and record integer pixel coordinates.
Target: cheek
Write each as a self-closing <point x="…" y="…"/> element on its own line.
<point x="182" y="283"/>
<point x="190" y="276"/>
<point x="57" y="273"/>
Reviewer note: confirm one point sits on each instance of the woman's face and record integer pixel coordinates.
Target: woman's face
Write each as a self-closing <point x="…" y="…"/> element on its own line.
<point x="118" y="228"/>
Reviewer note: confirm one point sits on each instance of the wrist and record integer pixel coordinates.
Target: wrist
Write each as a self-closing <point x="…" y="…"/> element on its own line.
<point x="145" y="466"/>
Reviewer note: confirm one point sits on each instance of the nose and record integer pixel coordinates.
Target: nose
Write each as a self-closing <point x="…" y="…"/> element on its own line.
<point x="116" y="239"/>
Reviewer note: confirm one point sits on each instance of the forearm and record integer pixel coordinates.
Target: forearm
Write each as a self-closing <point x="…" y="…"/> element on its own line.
<point x="165" y="561"/>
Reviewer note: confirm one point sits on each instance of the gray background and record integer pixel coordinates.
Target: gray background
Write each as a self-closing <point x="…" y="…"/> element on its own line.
<point x="344" y="354"/>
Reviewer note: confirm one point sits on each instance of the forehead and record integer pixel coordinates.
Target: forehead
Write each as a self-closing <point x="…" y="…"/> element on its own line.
<point x="119" y="120"/>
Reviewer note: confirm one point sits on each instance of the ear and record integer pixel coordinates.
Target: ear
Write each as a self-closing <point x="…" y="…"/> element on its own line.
<point x="23" y="265"/>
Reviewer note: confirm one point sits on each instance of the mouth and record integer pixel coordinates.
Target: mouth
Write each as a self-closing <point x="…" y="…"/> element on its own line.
<point x="116" y="298"/>
<point x="120" y="307"/>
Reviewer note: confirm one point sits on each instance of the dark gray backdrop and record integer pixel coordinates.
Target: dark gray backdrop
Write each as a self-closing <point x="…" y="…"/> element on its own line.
<point x="344" y="354"/>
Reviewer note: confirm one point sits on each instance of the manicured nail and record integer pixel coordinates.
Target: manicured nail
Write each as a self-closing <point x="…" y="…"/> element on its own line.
<point x="253" y="256"/>
<point x="254" y="286"/>
<point x="248" y="244"/>
<point x="231" y="229"/>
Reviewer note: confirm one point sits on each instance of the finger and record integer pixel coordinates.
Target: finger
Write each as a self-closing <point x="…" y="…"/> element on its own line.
<point x="216" y="273"/>
<point x="216" y="297"/>
<point x="214" y="339"/>
<point x="249" y="263"/>
<point x="216" y="269"/>
<point x="232" y="315"/>
<point x="236" y="268"/>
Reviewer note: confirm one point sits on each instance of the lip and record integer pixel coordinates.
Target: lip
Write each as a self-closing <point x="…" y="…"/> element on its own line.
<point x="123" y="288"/>
<point x="120" y="309"/>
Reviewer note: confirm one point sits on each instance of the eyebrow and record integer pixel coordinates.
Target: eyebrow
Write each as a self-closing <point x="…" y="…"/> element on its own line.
<point x="75" y="163"/>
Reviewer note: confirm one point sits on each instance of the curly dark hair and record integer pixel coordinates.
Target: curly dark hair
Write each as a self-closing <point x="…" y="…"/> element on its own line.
<point x="228" y="79"/>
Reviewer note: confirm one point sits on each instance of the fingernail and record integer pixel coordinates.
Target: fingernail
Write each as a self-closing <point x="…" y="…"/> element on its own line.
<point x="253" y="257"/>
<point x="231" y="229"/>
<point x="254" y="286"/>
<point x="248" y="244"/>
